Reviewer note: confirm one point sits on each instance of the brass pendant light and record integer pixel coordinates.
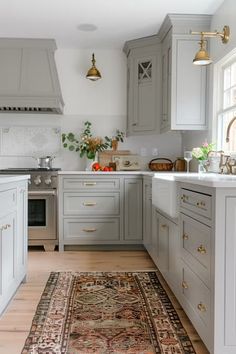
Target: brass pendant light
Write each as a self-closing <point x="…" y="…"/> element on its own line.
<point x="202" y="57"/>
<point x="93" y="73"/>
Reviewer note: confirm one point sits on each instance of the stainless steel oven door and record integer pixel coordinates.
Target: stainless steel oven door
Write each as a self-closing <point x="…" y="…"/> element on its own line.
<point x="42" y="215"/>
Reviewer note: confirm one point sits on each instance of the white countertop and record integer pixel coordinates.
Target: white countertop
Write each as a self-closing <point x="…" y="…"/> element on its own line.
<point x="110" y="173"/>
<point x="203" y="179"/>
<point x="13" y="178"/>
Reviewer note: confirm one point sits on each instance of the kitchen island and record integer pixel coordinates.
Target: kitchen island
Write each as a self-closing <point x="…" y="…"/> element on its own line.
<point x="205" y="252"/>
<point x="13" y="235"/>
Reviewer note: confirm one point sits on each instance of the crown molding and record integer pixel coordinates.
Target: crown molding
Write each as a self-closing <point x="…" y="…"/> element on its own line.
<point x="141" y="42"/>
<point x="184" y="23"/>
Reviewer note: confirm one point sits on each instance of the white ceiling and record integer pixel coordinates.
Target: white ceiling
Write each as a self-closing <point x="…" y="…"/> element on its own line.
<point x="116" y="20"/>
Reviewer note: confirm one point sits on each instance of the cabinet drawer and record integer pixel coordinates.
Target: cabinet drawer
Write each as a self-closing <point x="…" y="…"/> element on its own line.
<point x="196" y="202"/>
<point x="197" y="297"/>
<point x="91" y="204"/>
<point x="84" y="230"/>
<point x="95" y="184"/>
<point x="7" y="201"/>
<point x="196" y="245"/>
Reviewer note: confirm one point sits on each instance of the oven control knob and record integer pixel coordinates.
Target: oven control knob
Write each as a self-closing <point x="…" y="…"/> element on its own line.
<point x="48" y="181"/>
<point x="37" y="180"/>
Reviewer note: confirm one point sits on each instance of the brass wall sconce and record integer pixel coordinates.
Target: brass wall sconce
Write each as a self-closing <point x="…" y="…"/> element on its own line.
<point x="93" y="73"/>
<point x="202" y="57"/>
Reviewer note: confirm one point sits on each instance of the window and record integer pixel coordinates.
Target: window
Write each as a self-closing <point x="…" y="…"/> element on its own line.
<point x="227" y="107"/>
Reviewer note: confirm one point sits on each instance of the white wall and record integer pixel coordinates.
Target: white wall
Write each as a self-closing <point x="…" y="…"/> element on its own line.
<point x="103" y="103"/>
<point x="225" y="15"/>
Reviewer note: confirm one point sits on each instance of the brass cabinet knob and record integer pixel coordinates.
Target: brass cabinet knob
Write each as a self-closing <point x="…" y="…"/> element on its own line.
<point x="201" y="307"/>
<point x="185" y="237"/>
<point x="184" y="285"/>
<point x="89" y="184"/>
<point x="201" y="249"/>
<point x="89" y="230"/>
<point x="201" y="204"/>
<point x="184" y="197"/>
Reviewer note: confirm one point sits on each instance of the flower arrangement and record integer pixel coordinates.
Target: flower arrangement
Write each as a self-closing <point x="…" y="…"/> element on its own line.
<point x="86" y="144"/>
<point x="201" y="153"/>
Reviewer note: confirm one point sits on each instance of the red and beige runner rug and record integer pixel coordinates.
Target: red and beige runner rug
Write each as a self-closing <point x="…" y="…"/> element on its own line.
<point x="101" y="313"/>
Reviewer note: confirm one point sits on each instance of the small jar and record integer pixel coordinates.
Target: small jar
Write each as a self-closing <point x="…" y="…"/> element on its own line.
<point x="180" y="164"/>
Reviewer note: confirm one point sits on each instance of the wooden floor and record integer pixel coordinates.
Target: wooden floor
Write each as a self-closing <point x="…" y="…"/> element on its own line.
<point x="15" y="323"/>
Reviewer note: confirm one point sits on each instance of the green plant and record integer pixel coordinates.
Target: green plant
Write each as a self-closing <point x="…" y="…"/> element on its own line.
<point x="118" y="137"/>
<point x="85" y="144"/>
<point x="201" y="153"/>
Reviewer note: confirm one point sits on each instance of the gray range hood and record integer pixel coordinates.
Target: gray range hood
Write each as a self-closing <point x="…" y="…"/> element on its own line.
<point x="28" y="77"/>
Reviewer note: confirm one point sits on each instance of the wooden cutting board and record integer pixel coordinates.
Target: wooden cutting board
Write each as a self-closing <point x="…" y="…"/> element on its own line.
<point x="105" y="157"/>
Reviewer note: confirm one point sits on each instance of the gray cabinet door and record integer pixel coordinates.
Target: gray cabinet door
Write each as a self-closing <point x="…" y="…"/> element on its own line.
<point x="7" y="257"/>
<point x="133" y="209"/>
<point x="183" y="85"/>
<point x="147" y="213"/>
<point x="188" y="86"/>
<point x="144" y="93"/>
<point x="22" y="229"/>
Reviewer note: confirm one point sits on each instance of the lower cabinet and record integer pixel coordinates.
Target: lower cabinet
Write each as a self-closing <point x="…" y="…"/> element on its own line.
<point x="133" y="209"/>
<point x="147" y="213"/>
<point x="13" y="239"/>
<point x="100" y="210"/>
<point x="165" y="248"/>
<point x="88" y="231"/>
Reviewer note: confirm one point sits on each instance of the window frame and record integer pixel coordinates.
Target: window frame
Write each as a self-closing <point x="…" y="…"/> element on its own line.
<point x="218" y="95"/>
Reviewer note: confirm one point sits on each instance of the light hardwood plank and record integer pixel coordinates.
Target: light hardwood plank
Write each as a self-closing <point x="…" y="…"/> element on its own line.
<point x="16" y="321"/>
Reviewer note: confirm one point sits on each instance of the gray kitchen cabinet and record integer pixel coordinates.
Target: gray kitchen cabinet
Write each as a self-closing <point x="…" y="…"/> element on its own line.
<point x="133" y="209"/>
<point x="184" y="85"/>
<point x="165" y="248"/>
<point x="147" y="213"/>
<point x="195" y="264"/>
<point x="143" y="86"/>
<point x="22" y="228"/>
<point x="13" y="238"/>
<point x="100" y="210"/>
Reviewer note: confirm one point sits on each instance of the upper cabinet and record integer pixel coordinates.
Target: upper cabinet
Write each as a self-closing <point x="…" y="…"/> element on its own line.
<point x="144" y="86"/>
<point x="165" y="90"/>
<point x="184" y="85"/>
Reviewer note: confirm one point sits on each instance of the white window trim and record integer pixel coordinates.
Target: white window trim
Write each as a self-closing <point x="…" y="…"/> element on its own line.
<point x="217" y="102"/>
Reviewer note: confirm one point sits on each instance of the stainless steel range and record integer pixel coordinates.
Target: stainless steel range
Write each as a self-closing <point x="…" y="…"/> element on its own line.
<point x="42" y="205"/>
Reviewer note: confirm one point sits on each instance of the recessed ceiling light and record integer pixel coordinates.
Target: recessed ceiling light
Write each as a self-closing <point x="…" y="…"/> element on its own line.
<point x="87" y="27"/>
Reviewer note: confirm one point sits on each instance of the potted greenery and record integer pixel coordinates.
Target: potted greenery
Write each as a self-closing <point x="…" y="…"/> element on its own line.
<point x="88" y="145"/>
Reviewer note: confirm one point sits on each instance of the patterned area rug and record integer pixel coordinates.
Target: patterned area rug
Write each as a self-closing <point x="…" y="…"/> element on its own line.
<point x="106" y="313"/>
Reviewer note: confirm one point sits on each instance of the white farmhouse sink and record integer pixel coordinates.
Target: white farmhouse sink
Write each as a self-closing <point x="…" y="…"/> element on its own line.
<point x="164" y="192"/>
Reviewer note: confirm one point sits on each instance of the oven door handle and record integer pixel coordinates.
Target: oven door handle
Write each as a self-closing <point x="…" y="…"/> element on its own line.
<point x="42" y="192"/>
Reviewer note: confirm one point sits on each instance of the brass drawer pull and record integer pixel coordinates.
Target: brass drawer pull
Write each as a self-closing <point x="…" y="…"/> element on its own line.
<point x="201" y="307"/>
<point x="184" y="285"/>
<point x="201" y="249"/>
<point x="89" y="230"/>
<point x="89" y="204"/>
<point x="163" y="226"/>
<point x="185" y="237"/>
<point x="90" y="184"/>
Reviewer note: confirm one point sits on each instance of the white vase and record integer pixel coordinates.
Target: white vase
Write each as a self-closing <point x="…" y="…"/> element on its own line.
<point x="89" y="162"/>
